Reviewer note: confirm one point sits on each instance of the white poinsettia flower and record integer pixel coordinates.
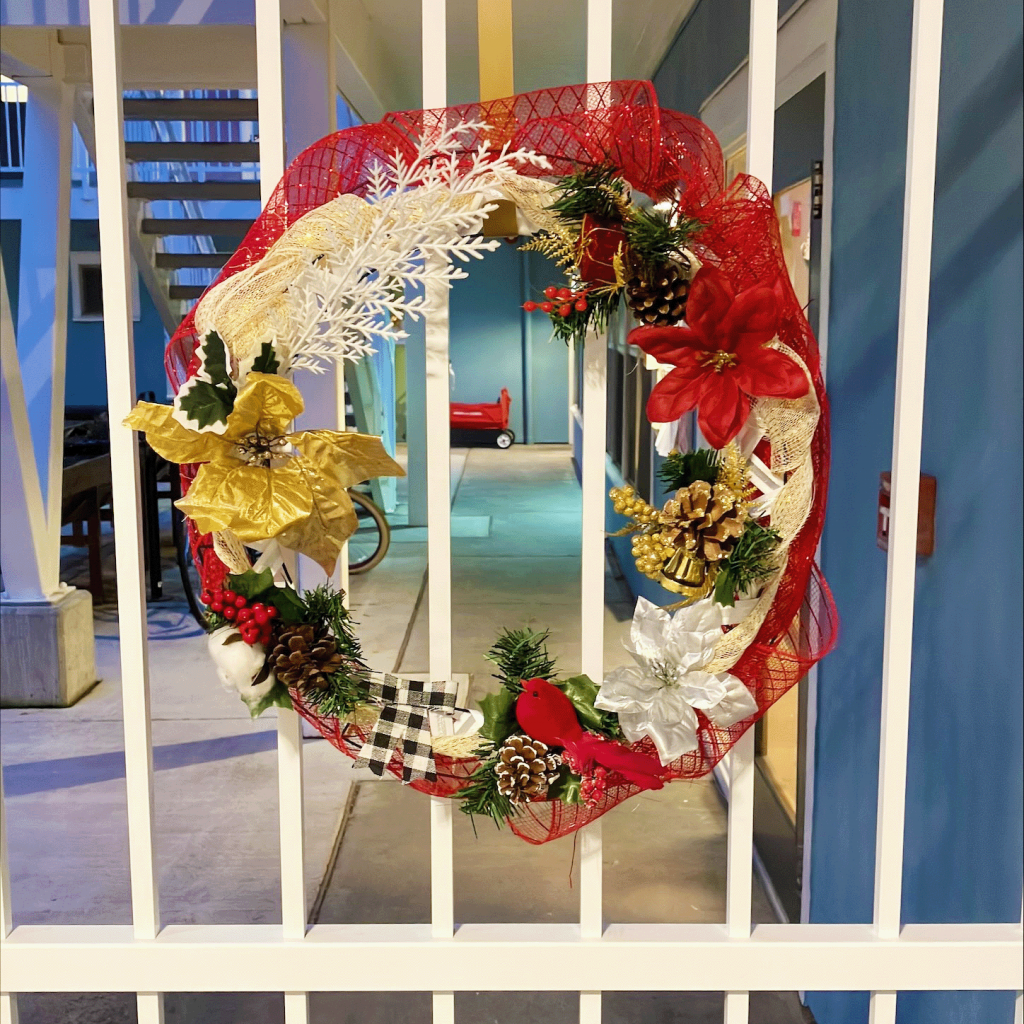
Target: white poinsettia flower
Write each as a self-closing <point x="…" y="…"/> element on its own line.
<point x="660" y="695"/>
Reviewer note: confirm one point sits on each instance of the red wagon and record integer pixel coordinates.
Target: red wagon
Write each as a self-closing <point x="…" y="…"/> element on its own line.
<point x="491" y="417"/>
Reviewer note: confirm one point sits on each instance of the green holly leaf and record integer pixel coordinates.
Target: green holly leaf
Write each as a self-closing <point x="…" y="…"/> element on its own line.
<point x="208" y="397"/>
<point x="278" y="697"/>
<point x="499" y="716"/>
<point x="251" y="584"/>
<point x="214" y="364"/>
<point x="725" y="591"/>
<point x="266" y="361"/>
<point x="290" y="607"/>
<point x="204" y="403"/>
<point x="582" y="691"/>
<point x="566" y="787"/>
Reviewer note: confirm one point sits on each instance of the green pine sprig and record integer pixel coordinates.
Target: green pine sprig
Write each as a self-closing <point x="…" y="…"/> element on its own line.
<point x="599" y="191"/>
<point x="521" y="654"/>
<point x="600" y="307"/>
<point x="655" y="239"/>
<point x="680" y="469"/>
<point x="751" y="561"/>
<point x="481" y="797"/>
<point x="349" y="686"/>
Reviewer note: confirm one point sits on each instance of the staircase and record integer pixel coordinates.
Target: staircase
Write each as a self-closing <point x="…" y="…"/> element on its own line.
<point x="193" y="189"/>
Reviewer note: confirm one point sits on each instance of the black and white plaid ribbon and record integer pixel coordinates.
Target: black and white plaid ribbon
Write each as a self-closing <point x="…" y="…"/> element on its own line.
<point x="404" y="724"/>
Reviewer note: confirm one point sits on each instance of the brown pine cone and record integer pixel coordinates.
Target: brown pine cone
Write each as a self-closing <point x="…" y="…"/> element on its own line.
<point x="705" y="519"/>
<point x="659" y="298"/>
<point x="304" y="658"/>
<point x="525" y="769"/>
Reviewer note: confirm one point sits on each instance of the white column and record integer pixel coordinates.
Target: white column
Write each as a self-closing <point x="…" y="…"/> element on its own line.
<point x="23" y="538"/>
<point x="307" y="118"/>
<point x="42" y="308"/>
<point x="270" y="89"/>
<point x="592" y="553"/>
<point x="116" y="269"/>
<point x="764" y="17"/>
<point x="915" y="284"/>
<point x="439" y="573"/>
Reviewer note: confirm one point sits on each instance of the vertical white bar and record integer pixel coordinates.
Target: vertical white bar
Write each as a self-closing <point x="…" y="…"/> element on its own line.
<point x="8" y="1002"/>
<point x="764" y="18"/>
<point x="105" y="32"/>
<point x="115" y="265"/>
<point x="270" y="89"/>
<point x="915" y="283"/>
<point x="439" y="578"/>
<point x="592" y="565"/>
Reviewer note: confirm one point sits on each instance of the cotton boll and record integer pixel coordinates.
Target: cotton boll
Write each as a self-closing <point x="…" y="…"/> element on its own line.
<point x="238" y="664"/>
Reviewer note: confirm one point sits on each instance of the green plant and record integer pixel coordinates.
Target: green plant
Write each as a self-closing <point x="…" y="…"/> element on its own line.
<point x="599" y="191"/>
<point x="655" y="238"/>
<point x="521" y="654"/>
<point x="750" y="561"/>
<point x="680" y="469"/>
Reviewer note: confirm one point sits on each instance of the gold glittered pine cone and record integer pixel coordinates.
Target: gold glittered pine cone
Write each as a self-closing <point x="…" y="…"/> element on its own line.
<point x="525" y="769"/>
<point x="304" y="658"/>
<point x="705" y="519"/>
<point x="659" y="298"/>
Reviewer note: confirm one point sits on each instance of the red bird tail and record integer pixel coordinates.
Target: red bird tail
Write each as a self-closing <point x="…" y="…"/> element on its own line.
<point x="640" y="769"/>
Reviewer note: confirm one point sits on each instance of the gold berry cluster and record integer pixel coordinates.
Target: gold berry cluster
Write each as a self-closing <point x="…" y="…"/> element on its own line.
<point x="627" y="502"/>
<point x="650" y="548"/>
<point x="650" y="552"/>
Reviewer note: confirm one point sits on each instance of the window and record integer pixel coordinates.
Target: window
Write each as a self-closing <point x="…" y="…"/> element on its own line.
<point x="87" y="288"/>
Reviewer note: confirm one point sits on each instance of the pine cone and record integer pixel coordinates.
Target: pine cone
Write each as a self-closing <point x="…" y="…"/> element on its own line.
<point x="659" y="300"/>
<point x="525" y="769"/>
<point x="304" y="658"/>
<point x="705" y="519"/>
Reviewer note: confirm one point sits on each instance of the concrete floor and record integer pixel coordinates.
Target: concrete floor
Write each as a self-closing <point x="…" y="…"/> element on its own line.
<point x="515" y="560"/>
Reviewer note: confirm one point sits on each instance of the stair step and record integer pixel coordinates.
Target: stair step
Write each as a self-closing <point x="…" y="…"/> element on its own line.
<point x="191" y="110"/>
<point x="186" y="291"/>
<point x="194" y="152"/>
<point x="195" y="226"/>
<point x="193" y="190"/>
<point x="180" y="260"/>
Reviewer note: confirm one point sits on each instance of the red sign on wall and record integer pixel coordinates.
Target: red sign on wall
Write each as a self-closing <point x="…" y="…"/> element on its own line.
<point x="796" y="220"/>
<point x="925" y="514"/>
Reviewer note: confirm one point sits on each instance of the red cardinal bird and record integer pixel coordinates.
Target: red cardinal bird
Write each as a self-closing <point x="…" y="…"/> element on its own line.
<point x="546" y="714"/>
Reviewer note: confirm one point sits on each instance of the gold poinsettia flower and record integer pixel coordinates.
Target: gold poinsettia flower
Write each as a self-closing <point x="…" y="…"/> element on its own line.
<point x="258" y="480"/>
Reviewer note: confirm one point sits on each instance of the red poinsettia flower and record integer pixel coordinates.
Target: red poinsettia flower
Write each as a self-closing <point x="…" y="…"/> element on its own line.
<point x="721" y="357"/>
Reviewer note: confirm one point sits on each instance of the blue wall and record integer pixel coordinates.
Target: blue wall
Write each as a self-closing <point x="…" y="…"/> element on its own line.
<point x="86" y="382"/>
<point x="963" y="841"/>
<point x="494" y="344"/>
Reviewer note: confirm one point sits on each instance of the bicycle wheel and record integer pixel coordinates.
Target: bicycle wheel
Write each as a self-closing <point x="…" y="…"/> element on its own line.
<point x="369" y="544"/>
<point x="191" y="583"/>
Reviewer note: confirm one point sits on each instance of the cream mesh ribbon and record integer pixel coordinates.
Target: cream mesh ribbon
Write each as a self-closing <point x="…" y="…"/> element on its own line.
<point x="789" y="425"/>
<point x="252" y="304"/>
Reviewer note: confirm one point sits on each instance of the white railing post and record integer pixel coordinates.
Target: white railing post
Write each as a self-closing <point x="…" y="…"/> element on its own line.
<point x="915" y="285"/>
<point x="439" y="571"/>
<point x="270" y="89"/>
<point x="764" y="18"/>
<point x="592" y="548"/>
<point x="8" y="1001"/>
<point x="115" y="262"/>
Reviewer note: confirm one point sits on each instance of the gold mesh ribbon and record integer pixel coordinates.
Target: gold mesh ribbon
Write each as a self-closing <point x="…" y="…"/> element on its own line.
<point x="789" y="425"/>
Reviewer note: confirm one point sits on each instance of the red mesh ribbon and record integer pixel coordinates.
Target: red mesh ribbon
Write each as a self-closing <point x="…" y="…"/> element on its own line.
<point x="663" y="154"/>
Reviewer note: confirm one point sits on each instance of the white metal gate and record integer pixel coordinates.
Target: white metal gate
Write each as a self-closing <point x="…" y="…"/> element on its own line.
<point x="733" y="957"/>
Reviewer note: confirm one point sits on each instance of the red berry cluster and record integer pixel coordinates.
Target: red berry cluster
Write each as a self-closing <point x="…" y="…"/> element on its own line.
<point x="559" y="300"/>
<point x="255" y="621"/>
<point x="593" y="787"/>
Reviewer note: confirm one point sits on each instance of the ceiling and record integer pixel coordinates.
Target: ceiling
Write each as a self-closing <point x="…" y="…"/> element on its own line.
<point x="549" y="42"/>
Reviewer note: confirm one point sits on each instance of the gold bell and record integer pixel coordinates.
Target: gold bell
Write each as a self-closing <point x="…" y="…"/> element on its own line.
<point x="688" y="575"/>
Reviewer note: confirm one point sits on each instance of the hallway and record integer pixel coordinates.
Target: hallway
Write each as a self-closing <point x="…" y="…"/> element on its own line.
<point x="515" y="561"/>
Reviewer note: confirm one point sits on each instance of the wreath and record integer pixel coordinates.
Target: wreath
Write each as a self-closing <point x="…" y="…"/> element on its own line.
<point x="628" y="201"/>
